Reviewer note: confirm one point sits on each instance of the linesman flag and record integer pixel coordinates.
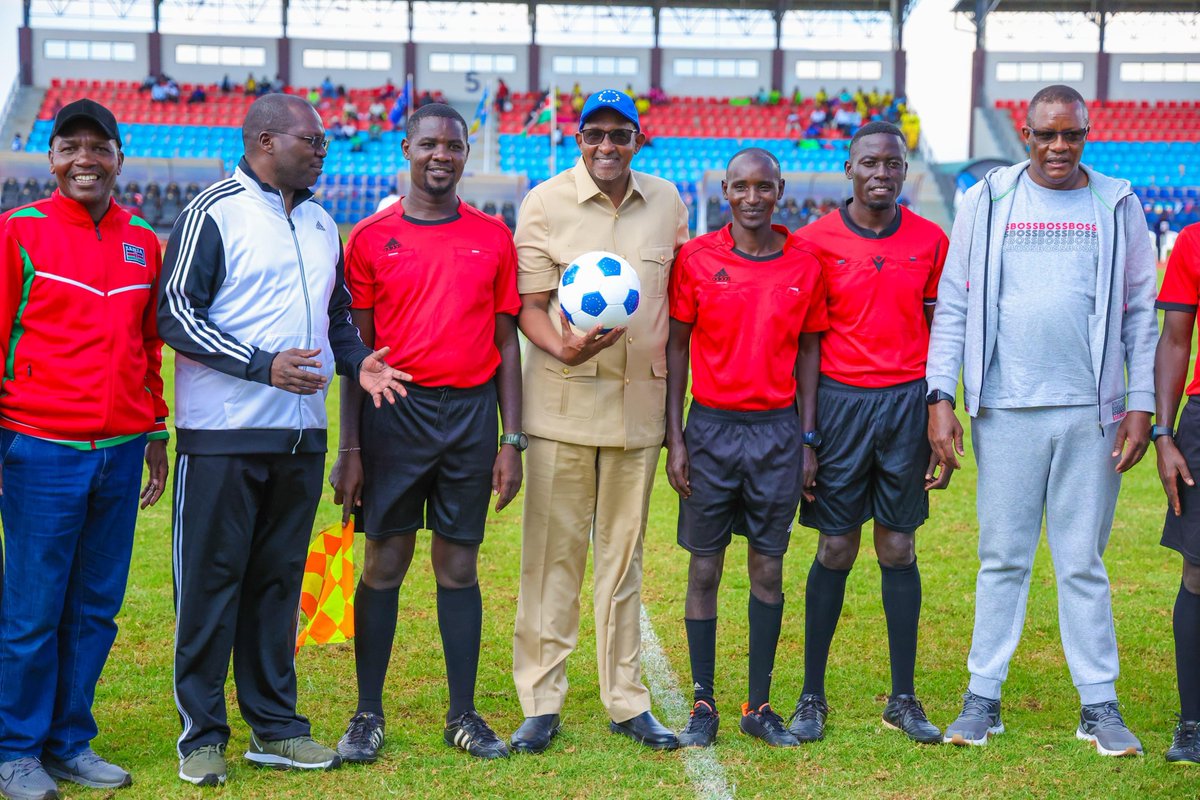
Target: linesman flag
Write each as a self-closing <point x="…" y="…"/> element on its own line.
<point x="327" y="592"/>
<point x="481" y="112"/>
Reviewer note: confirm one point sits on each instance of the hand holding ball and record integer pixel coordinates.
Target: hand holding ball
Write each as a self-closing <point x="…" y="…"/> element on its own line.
<point x="599" y="288"/>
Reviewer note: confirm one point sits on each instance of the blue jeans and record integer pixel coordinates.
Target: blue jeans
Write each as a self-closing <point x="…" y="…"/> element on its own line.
<point x="68" y="520"/>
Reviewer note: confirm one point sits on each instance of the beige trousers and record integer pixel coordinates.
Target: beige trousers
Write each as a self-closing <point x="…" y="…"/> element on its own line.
<point x="573" y="492"/>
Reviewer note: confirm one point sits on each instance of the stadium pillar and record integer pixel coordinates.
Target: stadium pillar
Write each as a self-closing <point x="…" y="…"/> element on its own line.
<point x="978" y="65"/>
<point x="899" y="57"/>
<point x="777" y="55"/>
<point x="1103" y="61"/>
<point x="535" y="55"/>
<point x="154" y="42"/>
<point x="655" y="50"/>
<point x="283" y="49"/>
<point x="25" y="53"/>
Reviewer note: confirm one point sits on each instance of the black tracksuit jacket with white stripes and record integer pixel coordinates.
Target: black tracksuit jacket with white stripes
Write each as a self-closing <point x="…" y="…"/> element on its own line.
<point x="242" y="281"/>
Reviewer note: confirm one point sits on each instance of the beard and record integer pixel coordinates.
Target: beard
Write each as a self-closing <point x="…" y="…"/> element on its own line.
<point x="438" y="191"/>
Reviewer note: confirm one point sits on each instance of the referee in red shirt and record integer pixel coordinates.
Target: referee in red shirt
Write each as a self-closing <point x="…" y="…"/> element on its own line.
<point x="748" y="303"/>
<point x="436" y="281"/>
<point x="881" y="265"/>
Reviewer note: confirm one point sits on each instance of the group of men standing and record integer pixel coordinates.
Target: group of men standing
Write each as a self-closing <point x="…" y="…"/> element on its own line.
<point x="824" y="364"/>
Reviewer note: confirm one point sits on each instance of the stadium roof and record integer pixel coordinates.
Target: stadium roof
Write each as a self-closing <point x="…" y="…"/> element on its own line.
<point x="1084" y="6"/>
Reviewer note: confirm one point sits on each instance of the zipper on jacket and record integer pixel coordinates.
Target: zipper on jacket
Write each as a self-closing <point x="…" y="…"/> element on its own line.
<point x="987" y="257"/>
<point x="1107" y="317"/>
<point x="307" y="315"/>
<point x="96" y="225"/>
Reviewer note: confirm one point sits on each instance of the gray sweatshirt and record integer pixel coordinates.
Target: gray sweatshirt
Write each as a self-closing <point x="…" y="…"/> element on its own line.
<point x="1123" y="328"/>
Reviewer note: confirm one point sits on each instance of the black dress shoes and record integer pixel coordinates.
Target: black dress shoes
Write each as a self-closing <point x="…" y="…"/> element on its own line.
<point x="535" y="733"/>
<point x="645" y="729"/>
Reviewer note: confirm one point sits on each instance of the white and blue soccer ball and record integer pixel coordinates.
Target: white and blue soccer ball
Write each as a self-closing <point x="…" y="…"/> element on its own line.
<point x="599" y="288"/>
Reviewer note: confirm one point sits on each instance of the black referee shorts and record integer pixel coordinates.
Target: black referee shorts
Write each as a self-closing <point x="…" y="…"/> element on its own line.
<point x="872" y="460"/>
<point x="1183" y="533"/>
<point x="746" y="475"/>
<point x="427" y="462"/>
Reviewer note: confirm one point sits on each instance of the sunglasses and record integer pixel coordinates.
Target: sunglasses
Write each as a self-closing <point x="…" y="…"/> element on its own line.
<point x="620" y="136"/>
<point x="315" y="142"/>
<point x="1049" y="137"/>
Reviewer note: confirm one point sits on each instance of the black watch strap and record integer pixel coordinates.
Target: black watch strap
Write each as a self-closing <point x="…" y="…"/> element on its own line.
<point x="937" y="396"/>
<point x="1161" y="430"/>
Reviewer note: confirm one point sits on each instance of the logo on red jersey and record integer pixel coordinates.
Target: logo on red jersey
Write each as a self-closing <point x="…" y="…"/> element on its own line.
<point x="134" y="254"/>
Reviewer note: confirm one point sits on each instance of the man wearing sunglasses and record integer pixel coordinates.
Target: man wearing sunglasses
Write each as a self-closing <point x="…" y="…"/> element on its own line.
<point x="254" y="303"/>
<point x="593" y="408"/>
<point x="1055" y="342"/>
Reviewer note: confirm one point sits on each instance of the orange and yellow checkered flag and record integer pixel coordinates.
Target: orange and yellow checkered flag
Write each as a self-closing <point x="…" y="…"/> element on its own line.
<point x="327" y="593"/>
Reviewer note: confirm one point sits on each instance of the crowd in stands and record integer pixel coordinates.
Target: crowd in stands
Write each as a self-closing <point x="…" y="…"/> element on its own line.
<point x="159" y="205"/>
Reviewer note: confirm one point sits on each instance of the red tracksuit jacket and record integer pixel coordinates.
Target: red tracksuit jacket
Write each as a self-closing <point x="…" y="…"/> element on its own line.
<point x="78" y="335"/>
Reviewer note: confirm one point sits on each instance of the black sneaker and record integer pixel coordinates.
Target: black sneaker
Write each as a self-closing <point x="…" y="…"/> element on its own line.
<point x="1185" y="747"/>
<point x="763" y="723"/>
<point x="469" y="732"/>
<point x="363" y="738"/>
<point x="807" y="722"/>
<point x="701" y="728"/>
<point x="905" y="713"/>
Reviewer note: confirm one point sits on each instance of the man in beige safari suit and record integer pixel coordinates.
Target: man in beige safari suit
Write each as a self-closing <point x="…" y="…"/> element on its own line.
<point x="594" y="411"/>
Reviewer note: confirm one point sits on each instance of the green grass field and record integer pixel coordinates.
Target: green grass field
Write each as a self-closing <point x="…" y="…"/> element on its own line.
<point x="1038" y="756"/>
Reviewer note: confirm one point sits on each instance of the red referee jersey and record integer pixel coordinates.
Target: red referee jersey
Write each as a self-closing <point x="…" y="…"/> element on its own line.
<point x="877" y="286"/>
<point x="748" y="314"/>
<point x="1181" y="284"/>
<point x="436" y="288"/>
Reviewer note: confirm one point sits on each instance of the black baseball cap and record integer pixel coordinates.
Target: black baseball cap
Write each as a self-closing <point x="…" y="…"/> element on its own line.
<point x="89" y="110"/>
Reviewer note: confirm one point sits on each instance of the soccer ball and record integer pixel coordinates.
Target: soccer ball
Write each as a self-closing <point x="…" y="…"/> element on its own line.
<point x="599" y="288"/>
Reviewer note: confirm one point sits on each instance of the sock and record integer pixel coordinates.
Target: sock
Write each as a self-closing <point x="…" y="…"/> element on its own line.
<point x="1187" y="652"/>
<point x="460" y="620"/>
<point x="374" y="630"/>
<point x="823" y="596"/>
<point x="702" y="650"/>
<point x="902" y="607"/>
<point x="765" y="621"/>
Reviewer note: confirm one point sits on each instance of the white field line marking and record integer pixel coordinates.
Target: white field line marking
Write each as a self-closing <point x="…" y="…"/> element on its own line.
<point x="700" y="763"/>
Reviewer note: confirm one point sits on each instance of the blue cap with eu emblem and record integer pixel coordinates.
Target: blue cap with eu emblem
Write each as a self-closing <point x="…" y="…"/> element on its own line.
<point x="615" y="99"/>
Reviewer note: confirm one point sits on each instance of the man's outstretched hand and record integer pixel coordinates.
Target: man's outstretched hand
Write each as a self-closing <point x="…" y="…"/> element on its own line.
<point x="380" y="380"/>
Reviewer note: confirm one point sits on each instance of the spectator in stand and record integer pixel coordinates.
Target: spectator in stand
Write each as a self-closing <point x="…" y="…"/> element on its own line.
<point x="356" y="142"/>
<point x="843" y="119"/>
<point x="818" y="117"/>
<point x="277" y="85"/>
<point x="642" y="104"/>
<point x="763" y="97"/>
<point x="424" y="98"/>
<point x="792" y="123"/>
<point x="314" y="98"/>
<point x="158" y="92"/>
<point x="226" y="84"/>
<point x="172" y="91"/>
<point x="910" y="123"/>
<point x="797" y="97"/>
<point x="657" y="96"/>
<point x="821" y="97"/>
<point x="502" y="94"/>
<point x="16" y="145"/>
<point x="327" y="89"/>
<point x="377" y="110"/>
<point x="250" y="87"/>
<point x="264" y="86"/>
<point x="350" y="110"/>
<point x="148" y="83"/>
<point x="389" y="90"/>
<point x="845" y="96"/>
<point x="197" y="96"/>
<point x="375" y="132"/>
<point x="438" y="97"/>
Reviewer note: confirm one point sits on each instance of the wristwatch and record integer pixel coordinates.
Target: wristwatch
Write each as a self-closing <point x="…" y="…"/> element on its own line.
<point x="937" y="396"/>
<point x="811" y="439"/>
<point x="517" y="440"/>
<point x="1161" y="430"/>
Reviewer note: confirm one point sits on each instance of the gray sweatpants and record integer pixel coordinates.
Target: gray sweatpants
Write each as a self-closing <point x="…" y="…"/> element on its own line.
<point x="1054" y="459"/>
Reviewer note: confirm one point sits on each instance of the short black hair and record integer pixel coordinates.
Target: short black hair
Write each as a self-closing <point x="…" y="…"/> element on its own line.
<point x="433" y="110"/>
<point x="872" y="128"/>
<point x="1055" y="93"/>
<point x="271" y="112"/>
<point x="756" y="152"/>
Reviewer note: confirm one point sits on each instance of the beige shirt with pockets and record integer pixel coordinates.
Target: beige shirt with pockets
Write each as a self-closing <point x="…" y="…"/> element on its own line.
<point x="618" y="397"/>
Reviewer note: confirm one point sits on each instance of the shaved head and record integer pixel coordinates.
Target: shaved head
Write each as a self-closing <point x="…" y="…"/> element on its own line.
<point x="272" y="112"/>
<point x="759" y="154"/>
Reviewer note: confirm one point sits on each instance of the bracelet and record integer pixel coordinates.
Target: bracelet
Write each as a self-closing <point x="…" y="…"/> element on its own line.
<point x="348" y="449"/>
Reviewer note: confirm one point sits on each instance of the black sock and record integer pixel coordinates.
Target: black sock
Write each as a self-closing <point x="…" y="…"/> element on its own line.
<point x="765" y="621"/>
<point x="702" y="650"/>
<point x="460" y="619"/>
<point x="1187" y="652"/>
<point x="374" y="630"/>
<point x="902" y="607"/>
<point x="823" y="596"/>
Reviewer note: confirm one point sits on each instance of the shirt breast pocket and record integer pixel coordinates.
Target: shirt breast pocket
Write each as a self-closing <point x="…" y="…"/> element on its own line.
<point x="654" y="269"/>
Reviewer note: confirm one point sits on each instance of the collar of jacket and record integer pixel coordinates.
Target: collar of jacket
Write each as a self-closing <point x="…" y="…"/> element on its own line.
<point x="75" y="213"/>
<point x="267" y="190"/>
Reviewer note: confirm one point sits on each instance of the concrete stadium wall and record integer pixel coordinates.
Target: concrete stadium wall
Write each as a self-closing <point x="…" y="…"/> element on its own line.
<point x="1148" y="90"/>
<point x="809" y="87"/>
<point x="716" y="87"/>
<point x="350" y="78"/>
<point x="204" y="73"/>
<point x="455" y="84"/>
<point x="1023" y="90"/>
<point x="592" y="83"/>
<point x="46" y="69"/>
